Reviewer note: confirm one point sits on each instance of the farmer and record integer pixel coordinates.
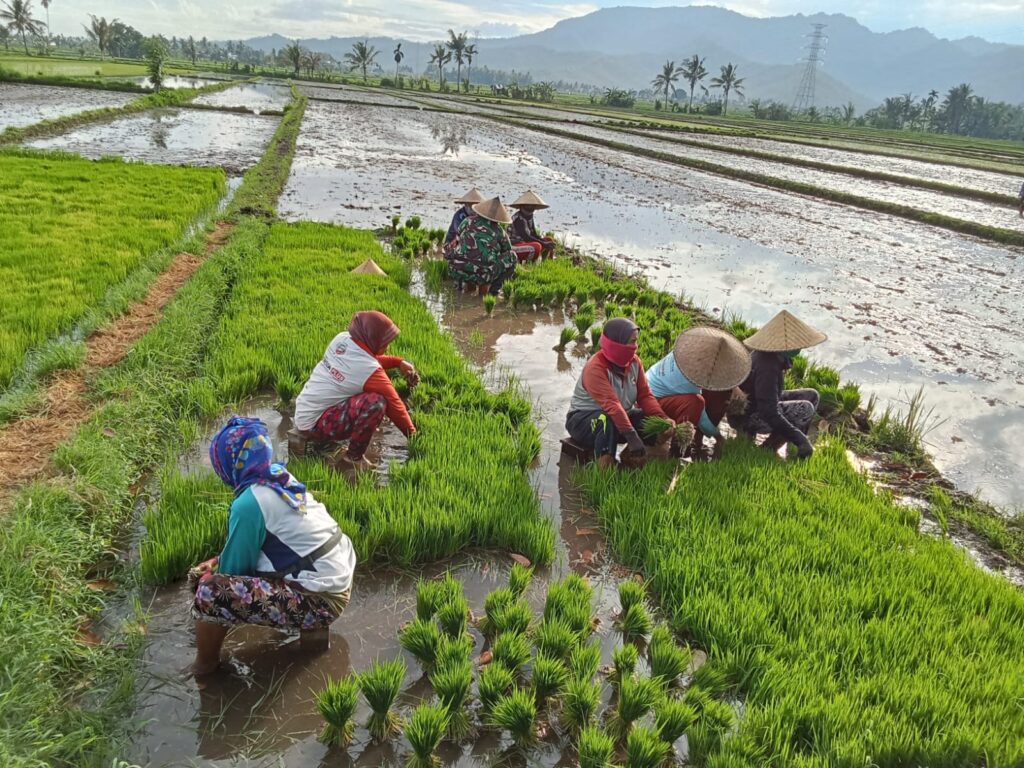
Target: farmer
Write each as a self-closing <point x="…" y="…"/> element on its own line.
<point x="348" y="393"/>
<point x="612" y="398"/>
<point x="286" y="564"/>
<point x="483" y="255"/>
<point x="526" y="241"/>
<point x="466" y="203"/>
<point x="695" y="381"/>
<point x="784" y="415"/>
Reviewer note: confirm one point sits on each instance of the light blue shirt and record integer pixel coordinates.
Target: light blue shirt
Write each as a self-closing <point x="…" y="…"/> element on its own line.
<point x="246" y="533"/>
<point x="665" y="379"/>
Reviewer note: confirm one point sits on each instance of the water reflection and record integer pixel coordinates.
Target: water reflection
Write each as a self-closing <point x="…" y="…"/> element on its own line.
<point x="452" y="136"/>
<point x="159" y="132"/>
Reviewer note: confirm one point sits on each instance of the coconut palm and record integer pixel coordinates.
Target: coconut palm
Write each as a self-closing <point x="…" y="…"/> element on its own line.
<point x="457" y="45"/>
<point x="18" y="17"/>
<point x="399" y="55"/>
<point x="101" y="32"/>
<point x="440" y="56"/>
<point x="728" y="81"/>
<point x="46" y="6"/>
<point x="312" y="62"/>
<point x="362" y="56"/>
<point x="5" y="37"/>
<point x="293" y="55"/>
<point x="469" y="53"/>
<point x="666" y="80"/>
<point x="956" y="107"/>
<point x="190" y="46"/>
<point x="693" y="72"/>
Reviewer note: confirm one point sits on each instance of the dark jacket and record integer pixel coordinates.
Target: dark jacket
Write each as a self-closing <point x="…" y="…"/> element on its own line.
<point x="763" y="388"/>
<point x="453" y="228"/>
<point x="523" y="229"/>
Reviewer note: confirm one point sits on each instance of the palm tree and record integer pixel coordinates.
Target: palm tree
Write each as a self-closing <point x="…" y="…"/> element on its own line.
<point x="728" y="81"/>
<point x="457" y="45"/>
<point x="191" y="48"/>
<point x="956" y="107"/>
<point x="693" y="72"/>
<point x="312" y="62"/>
<point x="469" y="53"/>
<point x="5" y="36"/>
<point x="440" y="56"/>
<point x="293" y="55"/>
<point x="398" y="60"/>
<point x="666" y="79"/>
<point x="362" y="56"/>
<point x="849" y="112"/>
<point x="18" y="15"/>
<point x="101" y="32"/>
<point x="46" y="5"/>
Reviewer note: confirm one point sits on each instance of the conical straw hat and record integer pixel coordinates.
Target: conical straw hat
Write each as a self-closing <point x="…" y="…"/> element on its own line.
<point x="784" y="333"/>
<point x="473" y="196"/>
<point x="368" y="267"/>
<point x="711" y="358"/>
<point x="493" y="210"/>
<point x="529" y="199"/>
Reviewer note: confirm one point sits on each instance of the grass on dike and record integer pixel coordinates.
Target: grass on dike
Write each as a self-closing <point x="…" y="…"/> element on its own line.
<point x="464" y="484"/>
<point x="851" y="637"/>
<point x="52" y="66"/>
<point x="72" y="228"/>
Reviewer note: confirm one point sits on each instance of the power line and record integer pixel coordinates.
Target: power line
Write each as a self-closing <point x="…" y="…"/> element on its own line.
<point x="815" y="58"/>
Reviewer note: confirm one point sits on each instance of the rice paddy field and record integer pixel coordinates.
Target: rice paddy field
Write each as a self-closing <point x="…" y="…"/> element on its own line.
<point x="22" y="105"/>
<point x="511" y="606"/>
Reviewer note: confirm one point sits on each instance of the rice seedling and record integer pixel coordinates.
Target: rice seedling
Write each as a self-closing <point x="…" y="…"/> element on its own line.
<point x="494" y="681"/>
<point x="653" y="426"/>
<point x="421" y="639"/>
<point x="489" y="302"/>
<point x="583" y="319"/>
<point x="511" y="649"/>
<point x="668" y="661"/>
<point x="549" y="678"/>
<point x="495" y="601"/>
<point x="435" y="271"/>
<point x="595" y="335"/>
<point x="645" y="749"/>
<point x="515" y="618"/>
<point x="585" y="660"/>
<point x="430" y="596"/>
<point x="611" y="311"/>
<point x="516" y="712"/>
<point x="380" y="685"/>
<point x="624" y="659"/>
<point x="453" y="617"/>
<point x="424" y="731"/>
<point x="595" y="748"/>
<point x="636" y="697"/>
<point x="413" y="222"/>
<point x="453" y="650"/>
<point x="452" y="683"/>
<point x="710" y="677"/>
<point x="567" y="334"/>
<point x="718" y="715"/>
<point x="672" y="718"/>
<point x="631" y="593"/>
<point x="555" y="639"/>
<point x="579" y="704"/>
<point x="519" y="579"/>
<point x="395" y="221"/>
<point x="337" y="704"/>
<point x="849" y="399"/>
<point x="635" y="623"/>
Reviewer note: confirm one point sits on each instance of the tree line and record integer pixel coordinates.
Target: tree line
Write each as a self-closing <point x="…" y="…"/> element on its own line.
<point x="959" y="112"/>
<point x="693" y="72"/>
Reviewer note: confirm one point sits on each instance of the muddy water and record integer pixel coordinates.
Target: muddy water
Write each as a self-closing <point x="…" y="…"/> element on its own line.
<point x="905" y="305"/>
<point x="175" y="136"/>
<point x="22" y="105"/>
<point x="258" y="97"/>
<point x="344" y="93"/>
<point x="172" y="81"/>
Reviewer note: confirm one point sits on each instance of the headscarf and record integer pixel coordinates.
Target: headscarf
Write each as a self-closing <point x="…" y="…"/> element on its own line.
<point x="374" y="330"/>
<point x="242" y="455"/>
<point x="615" y="344"/>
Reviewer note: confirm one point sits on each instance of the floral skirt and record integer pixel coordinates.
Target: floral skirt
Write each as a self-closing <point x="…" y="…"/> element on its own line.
<point x="225" y="599"/>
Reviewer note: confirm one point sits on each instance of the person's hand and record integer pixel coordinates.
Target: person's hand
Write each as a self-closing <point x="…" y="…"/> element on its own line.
<point x="634" y="445"/>
<point x="804" y="449"/>
<point x="669" y="433"/>
<point x="409" y="372"/>
<point x="196" y="572"/>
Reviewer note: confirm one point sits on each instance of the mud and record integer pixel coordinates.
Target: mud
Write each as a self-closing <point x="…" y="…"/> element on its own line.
<point x="173" y="136"/>
<point x="22" y="105"/>
<point x="345" y="93"/>
<point x="172" y="81"/>
<point x="905" y="305"/>
<point x="258" y="97"/>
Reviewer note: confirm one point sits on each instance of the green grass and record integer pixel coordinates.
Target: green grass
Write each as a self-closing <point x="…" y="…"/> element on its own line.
<point x="70" y="229"/>
<point x="60" y="67"/>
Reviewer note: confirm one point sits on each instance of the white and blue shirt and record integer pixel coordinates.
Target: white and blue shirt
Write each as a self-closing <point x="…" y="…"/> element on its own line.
<point x="665" y="379"/>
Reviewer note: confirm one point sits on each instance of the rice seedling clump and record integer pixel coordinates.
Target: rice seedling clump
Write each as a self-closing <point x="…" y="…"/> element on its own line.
<point x="452" y="683"/>
<point x="668" y="661"/>
<point x="494" y="681"/>
<point x="421" y="639"/>
<point x="595" y="748"/>
<point x="425" y="730"/>
<point x="585" y="660"/>
<point x="380" y="685"/>
<point x="511" y="649"/>
<point x="516" y="713"/>
<point x="337" y="704"/>
<point x="636" y="697"/>
<point x="644" y="749"/>
<point x="549" y="678"/>
<point x="579" y="704"/>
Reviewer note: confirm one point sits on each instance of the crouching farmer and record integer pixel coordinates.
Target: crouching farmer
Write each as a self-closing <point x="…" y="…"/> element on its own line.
<point x="286" y="564"/>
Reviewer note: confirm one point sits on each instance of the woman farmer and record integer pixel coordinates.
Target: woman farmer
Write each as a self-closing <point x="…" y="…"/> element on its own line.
<point x="286" y="564"/>
<point x="695" y="381"/>
<point x="483" y="255"/>
<point x="784" y="415"/>
<point x="526" y="241"/>
<point x="348" y="393"/>
<point x="466" y="203"/>
<point x="611" y="397"/>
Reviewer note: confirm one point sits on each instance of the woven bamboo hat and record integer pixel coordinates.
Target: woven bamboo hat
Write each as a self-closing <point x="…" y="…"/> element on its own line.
<point x="711" y="358"/>
<point x="783" y="333"/>
<point x="368" y="267"/>
<point x="473" y="196"/>
<point x="529" y="199"/>
<point x="493" y="210"/>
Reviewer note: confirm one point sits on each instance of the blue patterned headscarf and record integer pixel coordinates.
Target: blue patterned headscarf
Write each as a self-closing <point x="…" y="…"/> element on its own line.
<point x="242" y="455"/>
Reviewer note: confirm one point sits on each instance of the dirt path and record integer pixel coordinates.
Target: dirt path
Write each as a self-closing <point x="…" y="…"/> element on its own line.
<point x="26" y="445"/>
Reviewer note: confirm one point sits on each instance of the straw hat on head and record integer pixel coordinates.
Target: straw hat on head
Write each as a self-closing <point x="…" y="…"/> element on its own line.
<point x="368" y="267"/>
<point x="529" y="199"/>
<point x="472" y="197"/>
<point x="493" y="210"/>
<point x="711" y="358"/>
<point x="784" y="333"/>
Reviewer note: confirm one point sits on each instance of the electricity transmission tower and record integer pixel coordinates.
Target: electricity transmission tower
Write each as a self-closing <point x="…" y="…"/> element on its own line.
<point x="815" y="57"/>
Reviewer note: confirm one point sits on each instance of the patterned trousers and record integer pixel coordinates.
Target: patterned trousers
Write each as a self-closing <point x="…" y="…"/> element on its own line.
<point x="355" y="420"/>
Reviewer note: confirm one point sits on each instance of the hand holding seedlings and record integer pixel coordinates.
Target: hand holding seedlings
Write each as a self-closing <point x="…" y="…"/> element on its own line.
<point x="409" y="373"/>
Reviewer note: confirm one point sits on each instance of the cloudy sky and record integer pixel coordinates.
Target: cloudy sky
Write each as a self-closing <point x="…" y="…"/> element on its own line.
<point x="1001" y="20"/>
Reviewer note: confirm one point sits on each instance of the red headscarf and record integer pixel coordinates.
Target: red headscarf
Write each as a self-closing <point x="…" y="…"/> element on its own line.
<point x="373" y="330"/>
<point x="615" y="345"/>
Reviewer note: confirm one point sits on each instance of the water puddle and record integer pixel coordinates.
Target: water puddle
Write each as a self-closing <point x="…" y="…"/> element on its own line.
<point x="174" y="136"/>
<point x="172" y="81"/>
<point x="22" y="105"/>
<point x="258" y="97"/>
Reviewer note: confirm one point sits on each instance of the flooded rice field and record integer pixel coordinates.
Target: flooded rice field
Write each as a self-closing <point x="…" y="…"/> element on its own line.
<point x="905" y="305"/>
<point x="258" y="97"/>
<point x="174" y="136"/>
<point x="22" y="105"/>
<point x="345" y="93"/>
<point x="173" y="81"/>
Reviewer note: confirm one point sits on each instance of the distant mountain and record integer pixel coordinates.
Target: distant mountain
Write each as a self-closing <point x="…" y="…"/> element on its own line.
<point x="625" y="47"/>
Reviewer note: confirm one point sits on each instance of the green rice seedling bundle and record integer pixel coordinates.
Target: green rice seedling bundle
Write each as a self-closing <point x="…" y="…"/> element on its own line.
<point x="424" y="731"/>
<point x="452" y="683"/>
<point x="595" y="748"/>
<point x="555" y="639"/>
<point x="421" y="639"/>
<point x="624" y="659"/>
<point x="567" y="334"/>
<point x="583" y="319"/>
<point x="636" y="697"/>
<point x="520" y="578"/>
<point x="611" y="311"/>
<point x="516" y="712"/>
<point x="635" y="623"/>
<point x="595" y="335"/>
<point x="495" y="601"/>
<point x="667" y="660"/>
<point x="494" y="681"/>
<point x="516" y="617"/>
<point x="430" y="596"/>
<point x="511" y="649"/>
<point x="717" y="715"/>
<point x="549" y="677"/>
<point x="570" y="601"/>
<point x="380" y="685"/>
<point x="585" y="660"/>
<point x="435" y="271"/>
<point x="631" y="593"/>
<point x="413" y="222"/>
<point x="337" y="704"/>
<point x="672" y="718"/>
<point x="653" y="426"/>
<point x="645" y="749"/>
<point x="579" y="704"/>
<point x="453" y="650"/>
<point x="489" y="301"/>
<point x="453" y="617"/>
